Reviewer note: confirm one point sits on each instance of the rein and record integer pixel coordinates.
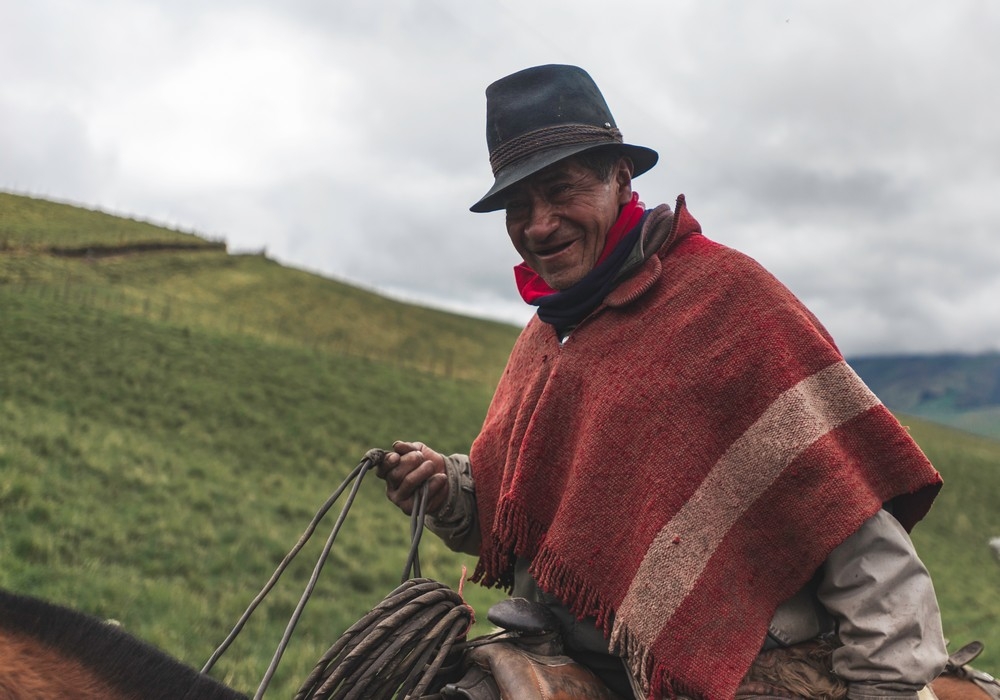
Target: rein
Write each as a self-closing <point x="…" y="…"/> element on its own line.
<point x="388" y="636"/>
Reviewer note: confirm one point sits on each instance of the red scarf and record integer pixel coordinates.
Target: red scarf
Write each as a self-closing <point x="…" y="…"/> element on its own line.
<point x="685" y="462"/>
<point x="532" y="287"/>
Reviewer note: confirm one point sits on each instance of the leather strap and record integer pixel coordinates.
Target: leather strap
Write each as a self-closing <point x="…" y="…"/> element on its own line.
<point x="522" y="675"/>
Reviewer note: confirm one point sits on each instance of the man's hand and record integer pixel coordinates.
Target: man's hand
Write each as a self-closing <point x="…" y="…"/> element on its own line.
<point x="406" y="467"/>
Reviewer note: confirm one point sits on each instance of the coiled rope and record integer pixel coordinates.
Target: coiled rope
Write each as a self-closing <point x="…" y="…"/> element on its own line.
<point x="383" y="655"/>
<point x="413" y="637"/>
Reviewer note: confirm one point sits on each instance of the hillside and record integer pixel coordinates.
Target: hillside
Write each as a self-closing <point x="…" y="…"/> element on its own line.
<point x="90" y="259"/>
<point x="171" y="418"/>
<point x="958" y="390"/>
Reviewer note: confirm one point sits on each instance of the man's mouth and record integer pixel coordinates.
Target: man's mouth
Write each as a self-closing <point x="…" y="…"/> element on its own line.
<point x="549" y="251"/>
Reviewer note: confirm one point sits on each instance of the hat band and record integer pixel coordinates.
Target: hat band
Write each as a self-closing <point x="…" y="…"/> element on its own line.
<point x="550" y="137"/>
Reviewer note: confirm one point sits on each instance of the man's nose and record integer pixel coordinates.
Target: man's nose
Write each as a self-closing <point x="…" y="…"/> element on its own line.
<point x="542" y="222"/>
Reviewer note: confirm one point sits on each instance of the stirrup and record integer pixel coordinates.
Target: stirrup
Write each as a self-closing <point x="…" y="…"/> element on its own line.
<point x="523" y="616"/>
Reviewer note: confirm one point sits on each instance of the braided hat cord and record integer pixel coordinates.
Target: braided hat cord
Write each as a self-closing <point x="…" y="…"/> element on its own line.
<point x="550" y="137"/>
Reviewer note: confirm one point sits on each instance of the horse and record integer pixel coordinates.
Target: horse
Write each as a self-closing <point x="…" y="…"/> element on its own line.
<point x="955" y="688"/>
<point x="960" y="681"/>
<point x="50" y="652"/>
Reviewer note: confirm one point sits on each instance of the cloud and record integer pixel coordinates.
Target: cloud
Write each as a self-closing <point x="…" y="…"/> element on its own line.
<point x="61" y="160"/>
<point x="849" y="147"/>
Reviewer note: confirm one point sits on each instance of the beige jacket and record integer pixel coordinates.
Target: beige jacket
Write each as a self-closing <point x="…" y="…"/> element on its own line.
<point x="873" y="591"/>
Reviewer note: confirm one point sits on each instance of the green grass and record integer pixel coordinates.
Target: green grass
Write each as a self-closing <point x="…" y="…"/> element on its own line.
<point x="953" y="539"/>
<point x="247" y="295"/>
<point x="170" y="422"/>
<point x="157" y="475"/>
<point x="30" y="223"/>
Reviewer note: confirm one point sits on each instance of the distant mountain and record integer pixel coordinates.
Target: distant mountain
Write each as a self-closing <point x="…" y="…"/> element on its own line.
<point x="958" y="390"/>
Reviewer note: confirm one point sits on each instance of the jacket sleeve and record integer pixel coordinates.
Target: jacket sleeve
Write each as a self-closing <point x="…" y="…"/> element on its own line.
<point x="888" y="620"/>
<point x="457" y="523"/>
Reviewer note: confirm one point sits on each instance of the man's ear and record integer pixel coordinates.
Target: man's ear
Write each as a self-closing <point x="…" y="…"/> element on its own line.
<point x="623" y="176"/>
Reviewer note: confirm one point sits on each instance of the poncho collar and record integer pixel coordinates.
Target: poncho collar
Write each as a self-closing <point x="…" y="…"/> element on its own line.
<point x="610" y="283"/>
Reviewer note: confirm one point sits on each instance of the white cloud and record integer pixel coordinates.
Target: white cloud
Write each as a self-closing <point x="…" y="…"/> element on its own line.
<point x="850" y="147"/>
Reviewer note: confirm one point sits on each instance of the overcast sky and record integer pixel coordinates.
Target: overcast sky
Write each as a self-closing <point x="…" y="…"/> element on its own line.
<point x="851" y="147"/>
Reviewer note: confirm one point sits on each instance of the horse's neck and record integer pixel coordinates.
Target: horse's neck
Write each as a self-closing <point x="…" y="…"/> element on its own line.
<point x="953" y="688"/>
<point x="52" y="646"/>
<point x="30" y="670"/>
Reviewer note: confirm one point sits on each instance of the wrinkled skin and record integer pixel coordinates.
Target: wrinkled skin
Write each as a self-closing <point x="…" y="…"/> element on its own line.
<point x="406" y="467"/>
<point x="558" y="219"/>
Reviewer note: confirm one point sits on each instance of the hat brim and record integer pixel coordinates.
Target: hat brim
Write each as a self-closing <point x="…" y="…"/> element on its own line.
<point x="642" y="158"/>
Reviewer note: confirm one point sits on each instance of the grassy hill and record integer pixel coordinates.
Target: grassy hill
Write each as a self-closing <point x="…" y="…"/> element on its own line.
<point x="105" y="263"/>
<point x="171" y="418"/>
<point x="953" y="540"/>
<point x="958" y="390"/>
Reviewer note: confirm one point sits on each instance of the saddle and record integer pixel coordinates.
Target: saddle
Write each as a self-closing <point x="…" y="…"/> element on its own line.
<point x="525" y="661"/>
<point x="804" y="671"/>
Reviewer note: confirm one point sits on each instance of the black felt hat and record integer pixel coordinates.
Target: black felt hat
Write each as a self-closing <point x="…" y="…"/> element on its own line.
<point x="541" y="115"/>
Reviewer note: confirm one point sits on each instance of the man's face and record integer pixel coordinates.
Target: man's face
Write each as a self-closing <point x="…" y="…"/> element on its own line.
<point x="559" y="218"/>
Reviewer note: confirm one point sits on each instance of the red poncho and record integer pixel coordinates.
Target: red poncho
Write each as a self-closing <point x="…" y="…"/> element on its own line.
<point x="685" y="461"/>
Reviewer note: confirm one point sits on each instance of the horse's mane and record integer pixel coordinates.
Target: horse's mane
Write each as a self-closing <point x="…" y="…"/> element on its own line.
<point x="119" y="658"/>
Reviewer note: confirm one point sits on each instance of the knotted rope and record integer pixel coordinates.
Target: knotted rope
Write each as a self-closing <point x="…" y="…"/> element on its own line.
<point x="384" y="653"/>
<point x="415" y="635"/>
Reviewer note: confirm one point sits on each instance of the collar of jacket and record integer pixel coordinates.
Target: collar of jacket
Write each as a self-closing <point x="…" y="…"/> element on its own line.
<point x="661" y="232"/>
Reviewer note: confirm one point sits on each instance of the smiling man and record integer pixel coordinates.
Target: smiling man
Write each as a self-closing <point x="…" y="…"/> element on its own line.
<point x="677" y="460"/>
<point x="559" y="219"/>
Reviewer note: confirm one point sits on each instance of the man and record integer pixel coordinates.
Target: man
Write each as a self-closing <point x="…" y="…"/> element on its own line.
<point x="677" y="460"/>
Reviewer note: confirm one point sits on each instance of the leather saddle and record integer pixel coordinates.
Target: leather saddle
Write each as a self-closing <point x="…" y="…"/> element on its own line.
<point x="525" y="661"/>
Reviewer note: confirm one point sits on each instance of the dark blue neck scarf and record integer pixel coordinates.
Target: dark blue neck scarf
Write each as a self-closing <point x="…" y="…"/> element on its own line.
<point x="565" y="309"/>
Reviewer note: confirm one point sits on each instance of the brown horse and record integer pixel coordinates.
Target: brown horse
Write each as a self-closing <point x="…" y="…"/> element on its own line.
<point x="48" y="652"/>
<point x="955" y="688"/>
<point x="960" y="681"/>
